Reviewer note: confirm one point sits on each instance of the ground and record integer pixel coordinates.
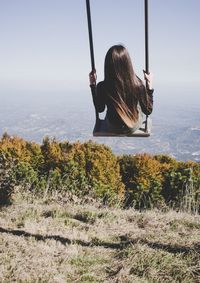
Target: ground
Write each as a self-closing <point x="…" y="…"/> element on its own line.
<point x="60" y="241"/>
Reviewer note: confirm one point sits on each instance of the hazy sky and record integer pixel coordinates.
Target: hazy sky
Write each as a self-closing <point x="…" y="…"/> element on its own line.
<point x="44" y="43"/>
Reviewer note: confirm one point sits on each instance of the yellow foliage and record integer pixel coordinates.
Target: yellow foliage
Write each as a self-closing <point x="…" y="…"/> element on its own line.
<point x="148" y="169"/>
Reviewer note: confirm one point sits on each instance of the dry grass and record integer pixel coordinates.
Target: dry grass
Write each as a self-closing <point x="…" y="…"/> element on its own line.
<point x="64" y="242"/>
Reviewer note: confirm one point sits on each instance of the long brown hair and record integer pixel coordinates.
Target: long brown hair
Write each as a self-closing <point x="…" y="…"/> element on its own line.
<point x="122" y="84"/>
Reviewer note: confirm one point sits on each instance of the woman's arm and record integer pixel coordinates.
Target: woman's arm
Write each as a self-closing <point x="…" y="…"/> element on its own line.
<point x="149" y="80"/>
<point x="97" y="92"/>
<point x="93" y="77"/>
<point x="146" y="97"/>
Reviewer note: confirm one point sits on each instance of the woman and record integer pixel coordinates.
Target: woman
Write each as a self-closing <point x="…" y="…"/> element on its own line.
<point x="125" y="95"/>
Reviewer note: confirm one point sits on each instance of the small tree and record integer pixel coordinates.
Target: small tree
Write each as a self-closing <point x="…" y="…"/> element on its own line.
<point x="7" y="181"/>
<point x="142" y="177"/>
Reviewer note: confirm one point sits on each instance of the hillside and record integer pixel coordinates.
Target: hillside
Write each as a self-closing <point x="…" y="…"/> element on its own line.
<point x="63" y="241"/>
<point x="91" y="169"/>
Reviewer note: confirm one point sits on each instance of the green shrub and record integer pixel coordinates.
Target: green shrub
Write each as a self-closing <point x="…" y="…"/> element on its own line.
<point x="181" y="184"/>
<point x="26" y="176"/>
<point x="102" y="170"/>
<point x="91" y="169"/>
<point x="143" y="178"/>
<point x="7" y="180"/>
<point x="84" y="169"/>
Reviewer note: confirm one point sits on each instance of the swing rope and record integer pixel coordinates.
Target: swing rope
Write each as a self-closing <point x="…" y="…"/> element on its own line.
<point x="146" y="37"/>
<point x="90" y="34"/>
<point x="93" y="90"/>
<point x="146" y="24"/>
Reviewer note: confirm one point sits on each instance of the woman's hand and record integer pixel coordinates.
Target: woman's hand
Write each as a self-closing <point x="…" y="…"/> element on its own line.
<point x="93" y="77"/>
<point x="149" y="80"/>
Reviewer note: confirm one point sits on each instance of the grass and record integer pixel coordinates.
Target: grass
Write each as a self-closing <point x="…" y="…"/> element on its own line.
<point x="44" y="241"/>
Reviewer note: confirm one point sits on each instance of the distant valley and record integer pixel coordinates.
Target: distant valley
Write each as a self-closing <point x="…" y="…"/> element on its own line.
<point x="176" y="130"/>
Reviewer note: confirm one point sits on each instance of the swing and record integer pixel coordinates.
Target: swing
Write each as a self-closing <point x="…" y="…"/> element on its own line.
<point x="144" y="131"/>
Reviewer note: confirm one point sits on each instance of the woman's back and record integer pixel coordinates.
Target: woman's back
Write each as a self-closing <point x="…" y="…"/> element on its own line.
<point x="122" y="91"/>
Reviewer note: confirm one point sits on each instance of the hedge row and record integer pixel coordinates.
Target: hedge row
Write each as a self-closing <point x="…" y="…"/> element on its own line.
<point x="91" y="169"/>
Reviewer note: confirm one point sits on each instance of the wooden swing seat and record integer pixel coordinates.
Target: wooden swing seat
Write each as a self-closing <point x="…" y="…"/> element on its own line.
<point x="138" y="133"/>
<point x="141" y="133"/>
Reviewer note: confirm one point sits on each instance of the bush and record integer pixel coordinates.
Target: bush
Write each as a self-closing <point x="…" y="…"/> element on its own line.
<point x="102" y="170"/>
<point x="143" y="179"/>
<point x="181" y="184"/>
<point x="25" y="176"/>
<point x="92" y="170"/>
<point x="7" y="180"/>
<point x="84" y="169"/>
<point x="21" y="150"/>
